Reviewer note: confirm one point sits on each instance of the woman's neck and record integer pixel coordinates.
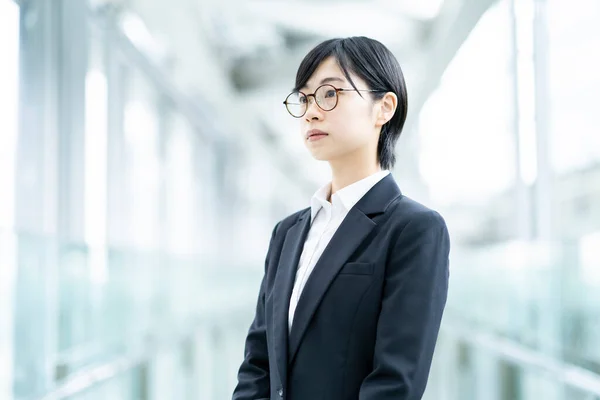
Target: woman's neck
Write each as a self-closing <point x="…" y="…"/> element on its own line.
<point x="345" y="174"/>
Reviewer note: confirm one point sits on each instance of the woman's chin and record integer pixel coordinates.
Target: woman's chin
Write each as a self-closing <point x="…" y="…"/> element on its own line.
<point x="320" y="156"/>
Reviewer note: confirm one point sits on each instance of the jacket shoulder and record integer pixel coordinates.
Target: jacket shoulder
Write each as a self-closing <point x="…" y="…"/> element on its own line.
<point x="408" y="210"/>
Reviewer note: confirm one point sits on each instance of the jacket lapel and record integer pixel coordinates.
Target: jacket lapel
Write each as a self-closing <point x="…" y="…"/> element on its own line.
<point x="351" y="233"/>
<point x="282" y="288"/>
<point x="353" y="230"/>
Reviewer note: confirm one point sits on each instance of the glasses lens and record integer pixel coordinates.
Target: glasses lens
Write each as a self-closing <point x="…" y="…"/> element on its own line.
<point x="296" y="104"/>
<point x="326" y="96"/>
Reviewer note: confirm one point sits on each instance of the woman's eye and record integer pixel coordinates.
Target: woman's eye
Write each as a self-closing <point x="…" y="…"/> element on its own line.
<point x="330" y="93"/>
<point x="302" y="100"/>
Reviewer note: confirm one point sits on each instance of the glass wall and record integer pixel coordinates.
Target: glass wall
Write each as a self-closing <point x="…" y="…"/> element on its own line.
<point x="573" y="84"/>
<point x="113" y="280"/>
<point x="465" y="127"/>
<point x="9" y="100"/>
<point x="508" y="155"/>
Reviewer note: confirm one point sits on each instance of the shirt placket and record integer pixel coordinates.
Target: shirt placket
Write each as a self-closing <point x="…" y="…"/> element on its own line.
<point x="308" y="265"/>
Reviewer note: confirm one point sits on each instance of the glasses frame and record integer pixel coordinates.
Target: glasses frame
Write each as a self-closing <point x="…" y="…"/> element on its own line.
<point x="337" y="98"/>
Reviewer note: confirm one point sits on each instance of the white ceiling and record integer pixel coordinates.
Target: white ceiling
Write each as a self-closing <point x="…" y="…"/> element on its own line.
<point x="244" y="54"/>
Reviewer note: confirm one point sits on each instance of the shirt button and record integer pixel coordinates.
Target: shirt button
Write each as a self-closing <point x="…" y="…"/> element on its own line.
<point x="280" y="393"/>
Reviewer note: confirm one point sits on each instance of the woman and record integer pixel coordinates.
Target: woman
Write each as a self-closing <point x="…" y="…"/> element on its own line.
<point x="355" y="285"/>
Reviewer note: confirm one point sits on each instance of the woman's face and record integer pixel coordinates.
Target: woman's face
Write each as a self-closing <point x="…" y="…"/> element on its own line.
<point x="350" y="130"/>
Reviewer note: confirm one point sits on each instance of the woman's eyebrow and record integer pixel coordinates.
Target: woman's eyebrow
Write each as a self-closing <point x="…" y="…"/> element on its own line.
<point x="328" y="80"/>
<point x="331" y="79"/>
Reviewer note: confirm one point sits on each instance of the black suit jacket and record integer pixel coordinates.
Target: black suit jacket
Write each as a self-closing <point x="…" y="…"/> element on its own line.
<point x="368" y="318"/>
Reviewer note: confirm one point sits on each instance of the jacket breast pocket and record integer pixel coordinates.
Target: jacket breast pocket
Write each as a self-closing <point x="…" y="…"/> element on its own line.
<point x="357" y="268"/>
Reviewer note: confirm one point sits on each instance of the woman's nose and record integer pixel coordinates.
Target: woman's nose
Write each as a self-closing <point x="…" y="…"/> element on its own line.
<point x="312" y="109"/>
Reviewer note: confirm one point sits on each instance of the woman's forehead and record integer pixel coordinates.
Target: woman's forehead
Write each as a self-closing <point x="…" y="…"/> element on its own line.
<point x="327" y="72"/>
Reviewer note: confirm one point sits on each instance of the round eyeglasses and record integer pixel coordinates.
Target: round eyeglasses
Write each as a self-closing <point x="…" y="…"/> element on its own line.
<point x="326" y="97"/>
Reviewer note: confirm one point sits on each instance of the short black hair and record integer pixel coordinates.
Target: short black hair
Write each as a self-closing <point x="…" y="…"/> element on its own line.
<point x="378" y="67"/>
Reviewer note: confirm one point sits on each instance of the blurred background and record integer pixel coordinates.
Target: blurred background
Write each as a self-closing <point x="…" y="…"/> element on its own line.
<point x="140" y="140"/>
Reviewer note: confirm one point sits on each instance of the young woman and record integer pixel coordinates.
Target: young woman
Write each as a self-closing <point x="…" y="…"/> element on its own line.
<point x="355" y="285"/>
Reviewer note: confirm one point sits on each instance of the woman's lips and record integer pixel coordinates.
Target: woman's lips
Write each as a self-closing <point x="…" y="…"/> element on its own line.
<point x="314" y="138"/>
<point x="314" y="135"/>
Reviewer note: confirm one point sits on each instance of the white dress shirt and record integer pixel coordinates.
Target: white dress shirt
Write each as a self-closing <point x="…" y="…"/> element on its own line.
<point x="326" y="217"/>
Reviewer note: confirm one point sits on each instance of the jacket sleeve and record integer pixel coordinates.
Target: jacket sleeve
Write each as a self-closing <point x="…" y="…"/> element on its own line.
<point x="414" y="297"/>
<point x="253" y="375"/>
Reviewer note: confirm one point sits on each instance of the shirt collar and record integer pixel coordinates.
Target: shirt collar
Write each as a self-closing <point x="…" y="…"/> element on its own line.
<point x="346" y="197"/>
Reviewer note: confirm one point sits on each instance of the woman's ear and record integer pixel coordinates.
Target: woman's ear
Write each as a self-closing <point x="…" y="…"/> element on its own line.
<point x="387" y="108"/>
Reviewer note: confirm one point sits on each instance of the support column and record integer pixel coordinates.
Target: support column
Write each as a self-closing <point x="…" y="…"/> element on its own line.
<point x="543" y="188"/>
<point x="523" y="219"/>
<point x="49" y="177"/>
<point x="9" y="72"/>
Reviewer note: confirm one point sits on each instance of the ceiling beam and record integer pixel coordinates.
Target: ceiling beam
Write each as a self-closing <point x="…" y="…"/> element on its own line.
<point x="449" y="30"/>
